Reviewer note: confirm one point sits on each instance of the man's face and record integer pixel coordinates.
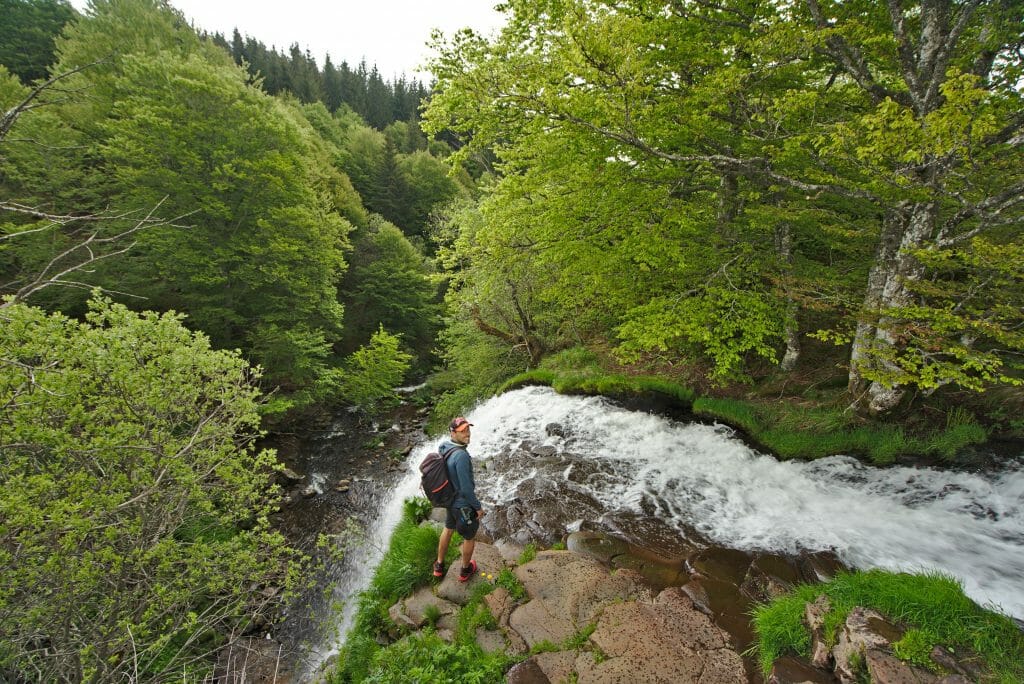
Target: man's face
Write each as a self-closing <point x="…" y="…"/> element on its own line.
<point x="461" y="435"/>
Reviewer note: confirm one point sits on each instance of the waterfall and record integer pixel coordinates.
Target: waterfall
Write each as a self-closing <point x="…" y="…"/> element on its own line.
<point x="969" y="525"/>
<point x="701" y="477"/>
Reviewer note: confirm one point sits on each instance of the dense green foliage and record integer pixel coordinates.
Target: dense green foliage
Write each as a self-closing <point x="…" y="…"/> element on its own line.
<point x="932" y="607"/>
<point x="234" y="207"/>
<point x="133" y="525"/>
<point x="27" y="35"/>
<point x="706" y="184"/>
<point x="134" y="534"/>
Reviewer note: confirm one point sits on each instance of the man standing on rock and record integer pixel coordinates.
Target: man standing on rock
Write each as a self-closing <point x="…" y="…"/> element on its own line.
<point x="465" y="512"/>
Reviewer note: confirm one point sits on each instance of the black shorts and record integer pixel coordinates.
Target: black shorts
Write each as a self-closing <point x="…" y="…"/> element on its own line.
<point x="462" y="520"/>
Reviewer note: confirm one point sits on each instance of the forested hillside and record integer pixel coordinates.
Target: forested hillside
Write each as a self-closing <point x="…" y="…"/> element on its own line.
<point x="260" y="200"/>
<point x="189" y="254"/>
<point x="817" y="204"/>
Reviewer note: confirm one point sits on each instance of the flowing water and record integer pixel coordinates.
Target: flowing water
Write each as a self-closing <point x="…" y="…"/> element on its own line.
<point x="643" y="475"/>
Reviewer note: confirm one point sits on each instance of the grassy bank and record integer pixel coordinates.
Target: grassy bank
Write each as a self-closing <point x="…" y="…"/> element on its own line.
<point x="419" y="656"/>
<point x="931" y="607"/>
<point x="795" y="430"/>
<point x="789" y="427"/>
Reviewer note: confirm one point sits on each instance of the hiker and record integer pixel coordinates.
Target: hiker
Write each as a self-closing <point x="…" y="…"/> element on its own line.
<point x="465" y="512"/>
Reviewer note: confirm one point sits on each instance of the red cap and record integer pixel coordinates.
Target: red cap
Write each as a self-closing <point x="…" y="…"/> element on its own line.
<point x="458" y="423"/>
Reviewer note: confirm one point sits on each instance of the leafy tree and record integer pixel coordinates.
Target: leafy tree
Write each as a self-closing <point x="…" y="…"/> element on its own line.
<point x="733" y="124"/>
<point x="262" y="251"/>
<point x="370" y="374"/>
<point x="133" y="526"/>
<point x="427" y="186"/>
<point x="262" y="248"/>
<point x="27" y="35"/>
<point x="389" y="285"/>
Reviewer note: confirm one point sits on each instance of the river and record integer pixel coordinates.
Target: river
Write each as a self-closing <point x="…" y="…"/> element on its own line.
<point x="568" y="462"/>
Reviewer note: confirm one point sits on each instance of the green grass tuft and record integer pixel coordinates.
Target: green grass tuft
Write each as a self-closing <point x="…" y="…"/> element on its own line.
<point x="528" y="554"/>
<point x="933" y="604"/>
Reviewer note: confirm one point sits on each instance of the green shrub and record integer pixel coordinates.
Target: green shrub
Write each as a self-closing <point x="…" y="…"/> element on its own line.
<point x="370" y="374"/>
<point x="423" y="657"/>
<point x="916" y="647"/>
<point x="508" y="580"/>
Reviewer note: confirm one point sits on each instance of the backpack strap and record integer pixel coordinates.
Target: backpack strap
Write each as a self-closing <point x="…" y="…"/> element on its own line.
<point x="449" y="452"/>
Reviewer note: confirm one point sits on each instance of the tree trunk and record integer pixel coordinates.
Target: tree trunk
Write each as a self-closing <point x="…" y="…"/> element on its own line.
<point x="784" y="248"/>
<point x="872" y="379"/>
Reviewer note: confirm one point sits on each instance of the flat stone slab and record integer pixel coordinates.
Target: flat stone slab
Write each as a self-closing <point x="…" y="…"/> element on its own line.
<point x="665" y="640"/>
<point x="415" y="606"/>
<point x="566" y="592"/>
<point x="488" y="559"/>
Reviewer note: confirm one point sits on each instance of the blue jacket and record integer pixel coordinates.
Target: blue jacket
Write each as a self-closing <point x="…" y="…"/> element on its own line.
<point x="460" y="472"/>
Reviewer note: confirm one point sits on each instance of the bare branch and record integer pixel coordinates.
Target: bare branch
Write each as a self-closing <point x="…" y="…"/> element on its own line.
<point x="87" y="255"/>
<point x="752" y="167"/>
<point x="989" y="210"/>
<point x="12" y="114"/>
<point x="39" y="214"/>
<point x="853" y="62"/>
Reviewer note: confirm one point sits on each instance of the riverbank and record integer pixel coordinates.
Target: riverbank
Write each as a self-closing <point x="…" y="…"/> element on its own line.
<point x="550" y="465"/>
<point x="591" y="613"/>
<point x="790" y="416"/>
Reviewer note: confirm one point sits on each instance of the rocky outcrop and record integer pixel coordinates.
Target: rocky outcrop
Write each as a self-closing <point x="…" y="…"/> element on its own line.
<point x="593" y="623"/>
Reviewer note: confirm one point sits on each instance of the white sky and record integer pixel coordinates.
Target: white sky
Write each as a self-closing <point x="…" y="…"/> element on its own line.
<point x="392" y="34"/>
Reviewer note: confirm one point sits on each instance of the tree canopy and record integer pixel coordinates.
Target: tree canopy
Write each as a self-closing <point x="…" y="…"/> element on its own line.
<point x="709" y="180"/>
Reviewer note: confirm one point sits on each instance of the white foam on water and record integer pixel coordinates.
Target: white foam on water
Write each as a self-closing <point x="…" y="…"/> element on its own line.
<point x="968" y="525"/>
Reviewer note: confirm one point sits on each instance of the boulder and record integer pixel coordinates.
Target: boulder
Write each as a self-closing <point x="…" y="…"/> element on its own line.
<point x="769" y="577"/>
<point x="490" y="640"/>
<point x="526" y="672"/>
<point x="792" y="670"/>
<point x="885" y="668"/>
<point x="500" y="604"/>
<point x="510" y="551"/>
<point x="814" y="616"/>
<point x="857" y="636"/>
<point x="411" y="611"/>
<point x="557" y="666"/>
<point x="488" y="560"/>
<point x="555" y="429"/>
<point x="596" y="545"/>
<point x="291" y="476"/>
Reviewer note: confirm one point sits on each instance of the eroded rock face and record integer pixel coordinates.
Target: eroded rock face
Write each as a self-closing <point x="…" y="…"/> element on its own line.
<point x="856" y="638"/>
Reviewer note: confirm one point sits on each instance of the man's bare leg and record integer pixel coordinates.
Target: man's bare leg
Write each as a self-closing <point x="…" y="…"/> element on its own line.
<point x="442" y="544"/>
<point x="467" y="551"/>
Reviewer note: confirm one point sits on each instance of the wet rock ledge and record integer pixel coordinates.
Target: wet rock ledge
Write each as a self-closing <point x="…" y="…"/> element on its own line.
<point x="599" y="624"/>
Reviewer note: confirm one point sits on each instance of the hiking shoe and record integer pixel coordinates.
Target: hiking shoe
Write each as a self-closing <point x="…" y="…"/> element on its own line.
<point x="438" y="569"/>
<point x="467" y="572"/>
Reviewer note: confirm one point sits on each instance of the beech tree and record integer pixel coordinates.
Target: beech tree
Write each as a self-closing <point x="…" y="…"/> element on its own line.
<point x="892" y="128"/>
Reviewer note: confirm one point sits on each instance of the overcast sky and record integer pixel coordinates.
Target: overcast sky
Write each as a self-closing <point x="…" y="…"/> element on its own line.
<point x="392" y="34"/>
